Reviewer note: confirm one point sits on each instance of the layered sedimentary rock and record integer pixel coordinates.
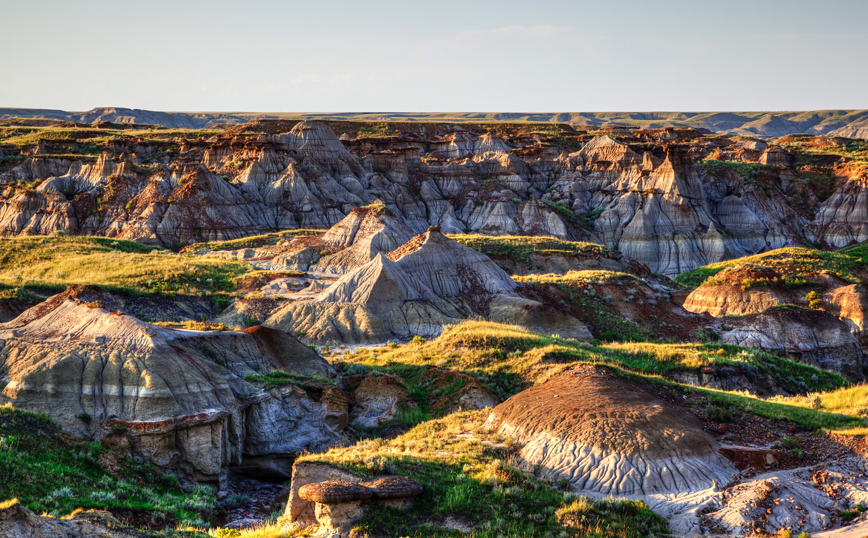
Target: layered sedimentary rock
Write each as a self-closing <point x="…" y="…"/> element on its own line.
<point x="812" y="337"/>
<point x="180" y="395"/>
<point x="648" y="199"/>
<point x="415" y="290"/>
<point x="351" y="243"/>
<point x="608" y="436"/>
<point x="843" y="218"/>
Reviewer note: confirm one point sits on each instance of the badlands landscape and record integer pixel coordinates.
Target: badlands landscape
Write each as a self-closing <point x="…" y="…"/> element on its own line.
<point x="459" y="325"/>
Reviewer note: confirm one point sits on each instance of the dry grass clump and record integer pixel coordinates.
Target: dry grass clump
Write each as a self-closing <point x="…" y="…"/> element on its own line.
<point x="592" y="276"/>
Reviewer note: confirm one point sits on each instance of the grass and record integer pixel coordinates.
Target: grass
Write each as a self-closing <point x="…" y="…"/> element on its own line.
<point x="519" y="247"/>
<point x="123" y="266"/>
<point x="595" y="311"/>
<point x="595" y="276"/>
<point x="719" y="168"/>
<point x="508" y="358"/>
<point x="792" y="262"/>
<point x="56" y="474"/>
<point x="253" y="241"/>
<point x="469" y="475"/>
<point x="278" y="379"/>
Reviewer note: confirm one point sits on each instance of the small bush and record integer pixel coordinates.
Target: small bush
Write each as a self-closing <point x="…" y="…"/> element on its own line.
<point x="718" y="414"/>
<point x="85" y="417"/>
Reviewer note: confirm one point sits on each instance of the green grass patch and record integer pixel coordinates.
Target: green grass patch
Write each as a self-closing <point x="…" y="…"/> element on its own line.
<point x="472" y="482"/>
<point x="122" y="266"/>
<point x="57" y="474"/>
<point x="793" y="262"/>
<point x="519" y="247"/>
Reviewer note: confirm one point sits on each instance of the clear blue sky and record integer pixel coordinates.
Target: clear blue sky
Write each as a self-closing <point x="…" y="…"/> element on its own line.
<point x="470" y="55"/>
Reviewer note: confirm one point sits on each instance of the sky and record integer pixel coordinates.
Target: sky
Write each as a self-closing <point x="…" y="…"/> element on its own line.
<point x="440" y="56"/>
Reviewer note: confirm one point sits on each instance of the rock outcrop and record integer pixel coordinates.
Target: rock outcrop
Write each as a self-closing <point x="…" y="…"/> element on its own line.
<point x="17" y="521"/>
<point x="180" y="396"/>
<point x="415" y="290"/>
<point x="812" y="337"/>
<point x="608" y="436"/>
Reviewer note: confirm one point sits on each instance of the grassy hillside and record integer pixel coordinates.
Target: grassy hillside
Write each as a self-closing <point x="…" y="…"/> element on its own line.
<point x="468" y="478"/>
<point x="125" y="266"/>
<point x="56" y="474"/>
<point x="792" y="262"/>
<point x="508" y="359"/>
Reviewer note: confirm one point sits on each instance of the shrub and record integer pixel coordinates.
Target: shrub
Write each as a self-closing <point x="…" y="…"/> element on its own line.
<point x="85" y="417"/>
<point x="250" y="321"/>
<point x="718" y="414"/>
<point x="815" y="300"/>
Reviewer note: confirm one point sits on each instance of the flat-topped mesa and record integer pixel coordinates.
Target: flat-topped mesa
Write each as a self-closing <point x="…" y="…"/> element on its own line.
<point x="181" y="395"/>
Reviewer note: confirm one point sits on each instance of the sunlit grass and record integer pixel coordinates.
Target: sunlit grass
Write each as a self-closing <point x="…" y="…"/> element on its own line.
<point x="58" y="261"/>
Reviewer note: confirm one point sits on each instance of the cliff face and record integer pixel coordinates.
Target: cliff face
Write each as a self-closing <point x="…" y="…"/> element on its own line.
<point x="646" y="197"/>
<point x="180" y="396"/>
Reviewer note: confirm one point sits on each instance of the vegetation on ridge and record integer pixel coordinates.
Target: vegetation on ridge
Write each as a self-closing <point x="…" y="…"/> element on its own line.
<point x="124" y="266"/>
<point x="792" y="262"/>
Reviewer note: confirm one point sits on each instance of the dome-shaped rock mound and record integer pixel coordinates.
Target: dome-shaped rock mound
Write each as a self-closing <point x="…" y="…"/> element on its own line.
<point x="739" y="290"/>
<point x="609" y="436"/>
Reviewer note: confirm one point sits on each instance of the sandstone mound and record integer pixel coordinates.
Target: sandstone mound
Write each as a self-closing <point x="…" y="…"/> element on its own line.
<point x="812" y="337"/>
<point x="352" y="242"/>
<point x="180" y="394"/>
<point x="433" y="281"/>
<point x="609" y="436"/>
<point x="739" y="290"/>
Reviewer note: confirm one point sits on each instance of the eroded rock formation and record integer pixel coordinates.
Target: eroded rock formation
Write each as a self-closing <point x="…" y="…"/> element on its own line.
<point x="180" y="396"/>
